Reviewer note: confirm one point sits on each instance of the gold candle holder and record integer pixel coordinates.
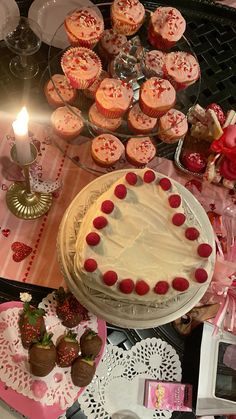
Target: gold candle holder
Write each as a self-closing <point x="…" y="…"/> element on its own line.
<point x="21" y="201"/>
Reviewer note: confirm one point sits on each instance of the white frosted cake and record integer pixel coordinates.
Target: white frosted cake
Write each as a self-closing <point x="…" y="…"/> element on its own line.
<point x="135" y="242"/>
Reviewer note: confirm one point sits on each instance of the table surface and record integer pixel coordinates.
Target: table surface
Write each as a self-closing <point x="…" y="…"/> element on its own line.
<point x="212" y="31"/>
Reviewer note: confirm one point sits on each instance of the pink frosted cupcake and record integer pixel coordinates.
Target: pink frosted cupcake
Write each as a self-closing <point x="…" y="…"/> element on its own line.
<point x="139" y="122"/>
<point x="58" y="91"/>
<point x="102" y="123"/>
<point x="81" y="67"/>
<point x="157" y="96"/>
<point x="182" y="69"/>
<point x="90" y="92"/>
<point x="67" y="122"/>
<point x="106" y="150"/>
<point x="172" y="126"/>
<point x="113" y="97"/>
<point x="140" y="151"/>
<point x="127" y="16"/>
<point x="110" y="44"/>
<point x="153" y="63"/>
<point x="84" y="27"/>
<point x="166" y="27"/>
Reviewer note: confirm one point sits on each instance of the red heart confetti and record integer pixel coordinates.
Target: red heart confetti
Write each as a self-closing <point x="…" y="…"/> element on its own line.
<point x="21" y="251"/>
<point x="6" y="232"/>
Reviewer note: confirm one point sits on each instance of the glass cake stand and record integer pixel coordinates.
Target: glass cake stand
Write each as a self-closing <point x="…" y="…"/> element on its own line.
<point x="79" y="149"/>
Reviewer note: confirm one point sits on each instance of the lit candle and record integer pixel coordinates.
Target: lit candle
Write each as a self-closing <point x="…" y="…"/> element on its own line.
<point x="20" y="128"/>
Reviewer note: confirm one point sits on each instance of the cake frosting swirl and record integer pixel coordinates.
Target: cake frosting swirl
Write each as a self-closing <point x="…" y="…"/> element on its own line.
<point x="136" y="244"/>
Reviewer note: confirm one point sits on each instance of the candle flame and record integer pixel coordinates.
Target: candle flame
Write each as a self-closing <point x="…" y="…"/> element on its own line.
<point x="20" y="125"/>
<point x="23" y="116"/>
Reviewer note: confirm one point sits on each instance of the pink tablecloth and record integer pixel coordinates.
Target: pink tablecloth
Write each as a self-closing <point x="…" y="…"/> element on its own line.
<point x="37" y="263"/>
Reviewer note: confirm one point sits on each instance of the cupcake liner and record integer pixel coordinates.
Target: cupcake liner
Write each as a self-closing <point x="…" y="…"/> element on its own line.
<point x="152" y="112"/>
<point x="157" y="41"/>
<point x="137" y="130"/>
<point x="123" y="27"/>
<point x="109" y="113"/>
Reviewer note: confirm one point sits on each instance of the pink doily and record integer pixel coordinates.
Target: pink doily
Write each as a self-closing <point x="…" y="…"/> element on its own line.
<point x="53" y="392"/>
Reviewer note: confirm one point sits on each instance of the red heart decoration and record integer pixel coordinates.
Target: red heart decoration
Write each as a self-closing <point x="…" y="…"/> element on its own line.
<point x="6" y="232"/>
<point x="21" y="251"/>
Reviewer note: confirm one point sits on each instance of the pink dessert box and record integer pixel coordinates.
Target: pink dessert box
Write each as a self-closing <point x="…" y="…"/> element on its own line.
<point x="163" y="395"/>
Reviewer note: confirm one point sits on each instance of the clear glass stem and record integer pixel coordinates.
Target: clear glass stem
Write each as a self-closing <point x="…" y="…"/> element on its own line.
<point x="23" y="60"/>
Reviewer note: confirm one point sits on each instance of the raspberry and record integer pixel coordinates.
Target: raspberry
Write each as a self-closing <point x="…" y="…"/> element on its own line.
<point x="120" y="191"/>
<point x="131" y="178"/>
<point x="93" y="239"/>
<point x="100" y="222"/>
<point x="141" y="287"/>
<point x="161" y="287"/>
<point x="180" y="284"/>
<point x="90" y="265"/>
<point x="218" y="111"/>
<point x="191" y="233"/>
<point x="149" y="176"/>
<point x="165" y="184"/>
<point x="195" y="162"/>
<point x="204" y="250"/>
<point x="174" y="200"/>
<point x="107" y="206"/>
<point x="178" y="219"/>
<point x="110" y="278"/>
<point x="126" y="286"/>
<point x="201" y="275"/>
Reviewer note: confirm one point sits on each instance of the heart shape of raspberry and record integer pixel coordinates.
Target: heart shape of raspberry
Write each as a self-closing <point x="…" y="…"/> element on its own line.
<point x="21" y="251"/>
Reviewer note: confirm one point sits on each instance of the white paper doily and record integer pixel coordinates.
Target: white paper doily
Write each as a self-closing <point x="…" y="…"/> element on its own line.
<point x="57" y="387"/>
<point x="119" y="380"/>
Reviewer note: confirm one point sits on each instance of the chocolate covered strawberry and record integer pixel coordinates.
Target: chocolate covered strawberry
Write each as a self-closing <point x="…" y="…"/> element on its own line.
<point x="90" y="343"/>
<point x="68" y="309"/>
<point x="31" y="322"/>
<point x="82" y="371"/>
<point x="42" y="356"/>
<point x="67" y="349"/>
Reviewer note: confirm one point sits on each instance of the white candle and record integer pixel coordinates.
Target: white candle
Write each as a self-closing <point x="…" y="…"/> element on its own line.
<point x="20" y="128"/>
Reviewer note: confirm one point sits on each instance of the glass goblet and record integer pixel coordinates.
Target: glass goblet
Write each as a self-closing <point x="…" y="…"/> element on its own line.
<point x="23" y="37"/>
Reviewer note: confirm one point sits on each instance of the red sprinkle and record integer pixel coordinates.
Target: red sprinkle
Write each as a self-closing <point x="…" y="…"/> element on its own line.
<point x="174" y="200"/>
<point x="100" y="222"/>
<point x="141" y="287"/>
<point x="201" y="275"/>
<point x="178" y="219"/>
<point x="93" y="239"/>
<point x="131" y="178"/>
<point x="204" y="250"/>
<point x="90" y="265"/>
<point x="180" y="284"/>
<point x="161" y="287"/>
<point x="191" y="233"/>
<point x="149" y="176"/>
<point x="126" y="286"/>
<point x="165" y="184"/>
<point x="110" y="278"/>
<point x="107" y="206"/>
<point x="120" y="191"/>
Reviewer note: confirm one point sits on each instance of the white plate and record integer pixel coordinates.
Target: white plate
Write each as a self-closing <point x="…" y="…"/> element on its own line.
<point x="122" y="313"/>
<point x="50" y="15"/>
<point x="8" y="9"/>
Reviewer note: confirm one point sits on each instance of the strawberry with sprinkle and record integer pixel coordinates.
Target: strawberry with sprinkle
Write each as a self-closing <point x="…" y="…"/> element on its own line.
<point x="68" y="309"/>
<point x="31" y="322"/>
<point x="67" y="349"/>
